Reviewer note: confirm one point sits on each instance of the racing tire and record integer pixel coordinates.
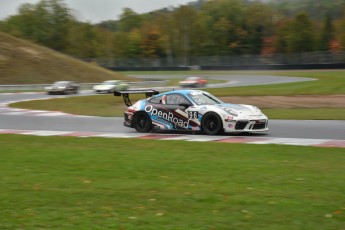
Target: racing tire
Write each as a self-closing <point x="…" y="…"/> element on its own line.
<point x="142" y="122"/>
<point x="212" y="124"/>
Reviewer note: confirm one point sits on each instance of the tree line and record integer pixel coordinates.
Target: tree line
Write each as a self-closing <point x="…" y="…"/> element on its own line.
<point x="200" y="28"/>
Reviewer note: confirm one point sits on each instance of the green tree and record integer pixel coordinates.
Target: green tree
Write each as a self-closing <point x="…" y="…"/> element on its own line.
<point x="164" y="24"/>
<point x="83" y="41"/>
<point x="340" y="32"/>
<point x="327" y="33"/>
<point x="129" y="20"/>
<point x="296" y="35"/>
<point x="302" y="36"/>
<point x="203" y="44"/>
<point x="259" y="19"/>
<point x="46" y="23"/>
<point x="183" y="20"/>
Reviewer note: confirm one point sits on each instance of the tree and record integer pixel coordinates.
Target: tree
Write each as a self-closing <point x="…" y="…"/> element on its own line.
<point x="129" y="20"/>
<point x="297" y="35"/>
<point x="327" y="34"/>
<point x="183" y="20"/>
<point x="302" y="34"/>
<point x="259" y="25"/>
<point x="339" y="41"/>
<point x="46" y="23"/>
<point x="84" y="41"/>
<point x="151" y="38"/>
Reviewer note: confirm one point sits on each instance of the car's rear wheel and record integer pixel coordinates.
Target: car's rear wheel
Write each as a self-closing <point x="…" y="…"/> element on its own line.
<point x="142" y="122"/>
<point x="212" y="124"/>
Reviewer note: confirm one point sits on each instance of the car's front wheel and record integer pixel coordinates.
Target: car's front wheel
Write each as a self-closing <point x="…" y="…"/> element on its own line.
<point x="142" y="122"/>
<point x="212" y="124"/>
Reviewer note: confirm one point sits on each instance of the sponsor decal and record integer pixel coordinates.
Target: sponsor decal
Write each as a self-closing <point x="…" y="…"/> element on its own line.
<point x="230" y="126"/>
<point x="229" y="118"/>
<point x="168" y="116"/>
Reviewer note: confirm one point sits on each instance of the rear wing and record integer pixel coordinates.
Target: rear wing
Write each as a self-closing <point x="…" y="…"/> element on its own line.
<point x="125" y="94"/>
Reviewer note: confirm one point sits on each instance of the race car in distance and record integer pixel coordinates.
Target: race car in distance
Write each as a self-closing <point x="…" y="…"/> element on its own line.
<point x="195" y="82"/>
<point x="62" y="87"/>
<point x="194" y="110"/>
<point x="110" y="86"/>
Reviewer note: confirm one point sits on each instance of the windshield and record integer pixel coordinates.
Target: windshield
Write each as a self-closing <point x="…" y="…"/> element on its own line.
<point x="192" y="78"/>
<point x="203" y="98"/>
<point x="60" y="83"/>
<point x="109" y="83"/>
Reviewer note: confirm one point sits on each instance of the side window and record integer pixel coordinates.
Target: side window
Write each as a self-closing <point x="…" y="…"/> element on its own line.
<point x="156" y="100"/>
<point x="175" y="99"/>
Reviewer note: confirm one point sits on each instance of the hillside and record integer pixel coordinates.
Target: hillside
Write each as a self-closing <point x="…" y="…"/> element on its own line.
<point x="22" y="62"/>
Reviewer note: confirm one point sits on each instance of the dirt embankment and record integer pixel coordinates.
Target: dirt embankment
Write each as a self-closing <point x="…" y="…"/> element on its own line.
<point x="22" y="62"/>
<point x="301" y="101"/>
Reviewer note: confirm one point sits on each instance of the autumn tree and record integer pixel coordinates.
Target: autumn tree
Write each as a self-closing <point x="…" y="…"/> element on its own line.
<point x="339" y="41"/>
<point x="151" y="41"/>
<point x="327" y="34"/>
<point x="296" y="35"/>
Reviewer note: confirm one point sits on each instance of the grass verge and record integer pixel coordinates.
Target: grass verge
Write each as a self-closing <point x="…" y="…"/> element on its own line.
<point x="328" y="82"/>
<point x="95" y="183"/>
<point x="306" y="114"/>
<point x="109" y="106"/>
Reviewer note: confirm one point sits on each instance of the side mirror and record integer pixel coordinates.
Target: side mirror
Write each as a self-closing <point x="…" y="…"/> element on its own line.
<point x="186" y="105"/>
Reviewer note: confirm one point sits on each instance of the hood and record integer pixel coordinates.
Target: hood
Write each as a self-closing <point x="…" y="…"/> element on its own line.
<point x="55" y="87"/>
<point x="241" y="109"/>
<point x="187" y="82"/>
<point x="103" y="87"/>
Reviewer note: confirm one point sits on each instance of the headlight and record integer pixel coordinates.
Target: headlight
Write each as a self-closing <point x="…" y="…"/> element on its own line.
<point x="231" y="112"/>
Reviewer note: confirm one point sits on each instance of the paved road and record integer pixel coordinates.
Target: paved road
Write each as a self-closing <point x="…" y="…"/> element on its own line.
<point x="278" y="128"/>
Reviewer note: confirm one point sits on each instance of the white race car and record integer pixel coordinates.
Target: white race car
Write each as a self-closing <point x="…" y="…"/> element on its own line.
<point x="190" y="110"/>
<point x="110" y="86"/>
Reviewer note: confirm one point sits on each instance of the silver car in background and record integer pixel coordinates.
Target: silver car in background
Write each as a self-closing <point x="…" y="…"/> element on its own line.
<point x="110" y="86"/>
<point x="63" y="87"/>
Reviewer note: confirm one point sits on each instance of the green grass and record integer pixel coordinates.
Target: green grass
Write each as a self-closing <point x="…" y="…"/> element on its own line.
<point x="306" y="114"/>
<point x="328" y="82"/>
<point x="95" y="183"/>
<point x="110" y="106"/>
<point x="100" y="105"/>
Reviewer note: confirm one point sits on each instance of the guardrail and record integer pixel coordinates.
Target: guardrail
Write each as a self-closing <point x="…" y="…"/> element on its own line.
<point x="83" y="86"/>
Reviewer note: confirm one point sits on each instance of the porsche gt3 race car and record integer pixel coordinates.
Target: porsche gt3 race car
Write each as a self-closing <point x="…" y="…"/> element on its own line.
<point x="195" y="82"/>
<point x="194" y="110"/>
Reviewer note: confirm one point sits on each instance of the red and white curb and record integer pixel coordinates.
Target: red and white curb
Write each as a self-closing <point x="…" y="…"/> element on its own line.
<point x="6" y="110"/>
<point x="186" y="137"/>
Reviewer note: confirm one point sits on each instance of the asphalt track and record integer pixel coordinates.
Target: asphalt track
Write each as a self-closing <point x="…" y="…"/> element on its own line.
<point x="18" y="119"/>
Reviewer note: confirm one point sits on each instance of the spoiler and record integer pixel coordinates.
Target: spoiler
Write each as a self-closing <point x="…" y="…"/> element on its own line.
<point x="125" y="94"/>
